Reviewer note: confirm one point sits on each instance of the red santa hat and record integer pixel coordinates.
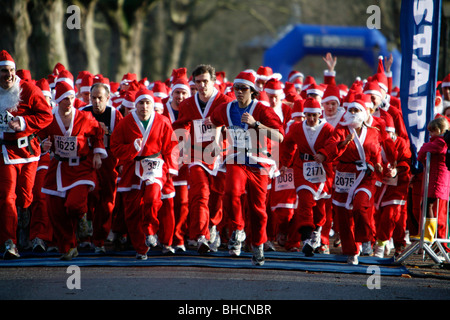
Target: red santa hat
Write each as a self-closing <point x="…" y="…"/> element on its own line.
<point x="372" y="88"/>
<point x="290" y="91"/>
<point x="315" y="89"/>
<point x="45" y="87"/>
<point x="58" y="68"/>
<point x="446" y="81"/>
<point x="295" y="75"/>
<point x="179" y="73"/>
<point x="86" y="82"/>
<point x="266" y="73"/>
<point x="332" y="93"/>
<point x="63" y="90"/>
<point x="128" y="77"/>
<point x="343" y="89"/>
<point x="366" y="99"/>
<point x="182" y="84"/>
<point x="309" y="80"/>
<point x="220" y="77"/>
<point x="395" y="92"/>
<point x="128" y="100"/>
<point x="6" y="59"/>
<point x="349" y="97"/>
<point x="65" y="76"/>
<point x="274" y="86"/>
<point x="80" y="76"/>
<point x="246" y="77"/>
<point x="158" y="103"/>
<point x="160" y="89"/>
<point x="359" y="104"/>
<point x="311" y="105"/>
<point x="99" y="78"/>
<point x="24" y="75"/>
<point x="263" y="98"/>
<point x="144" y="94"/>
<point x="114" y="86"/>
<point x="297" y="108"/>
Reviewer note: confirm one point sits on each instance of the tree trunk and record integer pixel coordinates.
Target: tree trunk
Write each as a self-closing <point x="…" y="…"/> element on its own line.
<point x="16" y="28"/>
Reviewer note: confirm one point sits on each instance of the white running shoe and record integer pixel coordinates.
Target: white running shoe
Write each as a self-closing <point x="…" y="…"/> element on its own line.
<point x="352" y="260"/>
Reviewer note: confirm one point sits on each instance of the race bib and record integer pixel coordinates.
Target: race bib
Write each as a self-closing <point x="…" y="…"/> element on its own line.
<point x="285" y="181"/>
<point x="66" y="147"/>
<point x="203" y="132"/>
<point x="152" y="168"/>
<point x="314" y="172"/>
<point x="343" y="181"/>
<point x="240" y="138"/>
<point x="5" y="118"/>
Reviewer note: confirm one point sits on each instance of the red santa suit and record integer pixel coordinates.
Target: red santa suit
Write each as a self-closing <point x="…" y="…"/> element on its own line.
<point x="71" y="175"/>
<point x="145" y="170"/>
<point x="102" y="199"/>
<point x="312" y="179"/>
<point x="205" y="181"/>
<point x="178" y="185"/>
<point x="250" y="164"/>
<point x="20" y="149"/>
<point x="354" y="184"/>
<point x="391" y="219"/>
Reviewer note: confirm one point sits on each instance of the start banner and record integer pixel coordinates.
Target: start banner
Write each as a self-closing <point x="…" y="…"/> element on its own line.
<point x="420" y="22"/>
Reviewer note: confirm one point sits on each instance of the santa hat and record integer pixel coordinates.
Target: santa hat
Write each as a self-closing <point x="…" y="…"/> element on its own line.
<point x="246" y="77"/>
<point x="372" y="88"/>
<point x="128" y="100"/>
<point x="63" y="90"/>
<point x="311" y="105"/>
<point x="290" y="92"/>
<point x="274" y="86"/>
<point x="361" y="105"/>
<point x="349" y="97"/>
<point x="297" y="108"/>
<point x="51" y="79"/>
<point x="266" y="73"/>
<point x="446" y="81"/>
<point x="220" y="77"/>
<point x="157" y="103"/>
<point x="45" y="87"/>
<point x="6" y="59"/>
<point x="332" y="93"/>
<point x="144" y="94"/>
<point x="366" y="99"/>
<point x="65" y="76"/>
<point x="24" y="75"/>
<point x="263" y="98"/>
<point x="114" y="86"/>
<point x="58" y="68"/>
<point x="315" y="89"/>
<point x="86" y="82"/>
<point x="128" y="77"/>
<point x="343" y="89"/>
<point x="160" y="89"/>
<point x="99" y="78"/>
<point x="179" y="73"/>
<point x="295" y="75"/>
<point x="80" y="76"/>
<point x="144" y="82"/>
<point x="382" y="80"/>
<point x="183" y="84"/>
<point x="309" y="80"/>
<point x="395" y="92"/>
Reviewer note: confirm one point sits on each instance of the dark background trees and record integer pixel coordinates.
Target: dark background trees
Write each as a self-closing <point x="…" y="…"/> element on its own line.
<point x="153" y="37"/>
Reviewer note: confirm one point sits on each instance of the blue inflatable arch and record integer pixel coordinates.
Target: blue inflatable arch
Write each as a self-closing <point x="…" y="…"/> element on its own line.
<point x="303" y="40"/>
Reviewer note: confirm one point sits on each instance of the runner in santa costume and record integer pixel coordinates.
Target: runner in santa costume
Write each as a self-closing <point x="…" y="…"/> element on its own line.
<point x="205" y="180"/>
<point x="249" y="162"/>
<point x="312" y="185"/>
<point x="102" y="200"/>
<point x="180" y="91"/>
<point x="145" y="145"/>
<point x="76" y="140"/>
<point x="357" y="149"/>
<point x="24" y="111"/>
<point x="281" y="198"/>
<point x="390" y="220"/>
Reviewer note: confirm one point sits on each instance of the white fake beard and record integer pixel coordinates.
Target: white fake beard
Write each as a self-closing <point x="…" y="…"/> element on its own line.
<point x="353" y="120"/>
<point x="10" y="98"/>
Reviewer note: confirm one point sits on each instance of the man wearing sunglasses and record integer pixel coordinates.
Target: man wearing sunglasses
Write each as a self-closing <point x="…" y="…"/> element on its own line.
<point x="249" y="163"/>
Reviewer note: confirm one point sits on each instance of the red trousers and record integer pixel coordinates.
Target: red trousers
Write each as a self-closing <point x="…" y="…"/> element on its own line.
<point x="205" y="201"/>
<point x="181" y="213"/>
<point x="102" y="201"/>
<point x="311" y="212"/>
<point x="40" y="224"/>
<point x="239" y="180"/>
<point x="64" y="214"/>
<point x="16" y="189"/>
<point x="141" y="214"/>
<point x="286" y="222"/>
<point x="355" y="226"/>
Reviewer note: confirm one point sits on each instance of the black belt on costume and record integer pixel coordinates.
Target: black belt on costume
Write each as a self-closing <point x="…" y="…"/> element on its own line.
<point x="20" y="142"/>
<point x="57" y="157"/>
<point x="155" y="155"/>
<point x="306" y="156"/>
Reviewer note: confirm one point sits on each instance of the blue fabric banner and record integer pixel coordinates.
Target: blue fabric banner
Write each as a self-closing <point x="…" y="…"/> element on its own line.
<point x="420" y="22"/>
